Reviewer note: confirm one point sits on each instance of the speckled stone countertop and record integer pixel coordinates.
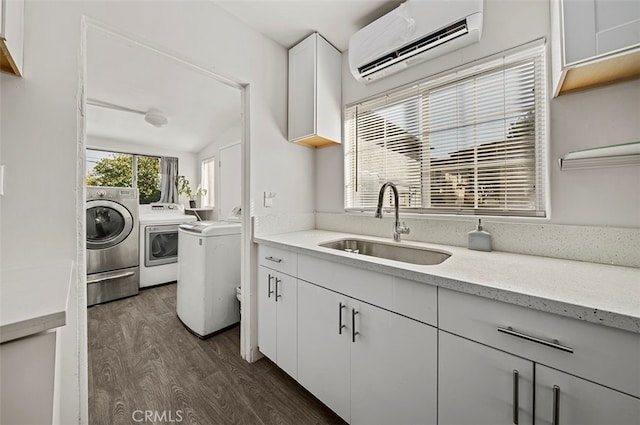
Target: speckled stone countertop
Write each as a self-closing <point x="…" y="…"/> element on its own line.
<point x="598" y="293"/>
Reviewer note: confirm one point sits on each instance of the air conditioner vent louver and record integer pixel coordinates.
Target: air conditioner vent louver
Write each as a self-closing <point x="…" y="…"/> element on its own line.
<point x="414" y="32"/>
<point x="425" y="43"/>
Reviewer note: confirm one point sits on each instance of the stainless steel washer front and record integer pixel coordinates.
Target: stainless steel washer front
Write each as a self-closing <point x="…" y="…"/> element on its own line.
<point x="112" y="243"/>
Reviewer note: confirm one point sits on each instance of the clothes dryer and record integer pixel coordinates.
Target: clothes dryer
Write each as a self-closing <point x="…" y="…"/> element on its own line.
<point x="159" y="244"/>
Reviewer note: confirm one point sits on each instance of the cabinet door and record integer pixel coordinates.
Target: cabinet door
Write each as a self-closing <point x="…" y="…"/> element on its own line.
<point x="580" y="402"/>
<point x="302" y="89"/>
<point x="323" y="347"/>
<point x="286" y="296"/>
<point x="393" y="368"/>
<point x="267" y="313"/>
<point x="479" y="384"/>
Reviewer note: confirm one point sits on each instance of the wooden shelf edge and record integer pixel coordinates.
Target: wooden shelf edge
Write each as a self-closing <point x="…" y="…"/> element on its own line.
<point x="316" y="141"/>
<point x="7" y="64"/>
<point x="602" y="72"/>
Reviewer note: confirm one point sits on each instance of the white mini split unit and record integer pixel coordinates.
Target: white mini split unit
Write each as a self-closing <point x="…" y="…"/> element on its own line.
<point x="413" y="32"/>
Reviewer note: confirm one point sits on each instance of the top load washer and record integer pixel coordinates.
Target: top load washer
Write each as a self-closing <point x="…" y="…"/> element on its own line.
<point x="208" y="274"/>
<point x="112" y="243"/>
<point x="159" y="242"/>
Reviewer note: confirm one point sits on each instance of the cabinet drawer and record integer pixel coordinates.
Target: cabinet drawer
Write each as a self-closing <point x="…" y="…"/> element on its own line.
<point x="601" y="354"/>
<point x="278" y="259"/>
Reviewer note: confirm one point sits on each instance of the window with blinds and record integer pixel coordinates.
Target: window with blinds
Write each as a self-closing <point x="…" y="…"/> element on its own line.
<point x="471" y="142"/>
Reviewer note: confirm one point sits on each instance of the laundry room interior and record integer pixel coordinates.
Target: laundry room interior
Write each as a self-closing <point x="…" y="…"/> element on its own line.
<point x="320" y="212"/>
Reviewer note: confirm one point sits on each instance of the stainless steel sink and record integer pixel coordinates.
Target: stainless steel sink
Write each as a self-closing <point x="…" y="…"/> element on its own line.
<point x="407" y="254"/>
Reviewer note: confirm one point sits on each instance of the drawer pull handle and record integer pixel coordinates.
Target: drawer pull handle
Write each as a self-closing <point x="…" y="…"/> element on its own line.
<point x="340" y="325"/>
<point x="115" y="276"/>
<point x="353" y="325"/>
<point x="553" y="344"/>
<point x="516" y="396"/>
<point x="269" y="291"/>
<point x="277" y="294"/>
<point x="274" y="259"/>
<point x="556" y="405"/>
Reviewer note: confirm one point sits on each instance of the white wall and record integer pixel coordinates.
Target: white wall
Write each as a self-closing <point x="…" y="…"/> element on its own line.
<point x="187" y="163"/>
<point x="230" y="136"/>
<point x="39" y="132"/>
<point x="605" y="197"/>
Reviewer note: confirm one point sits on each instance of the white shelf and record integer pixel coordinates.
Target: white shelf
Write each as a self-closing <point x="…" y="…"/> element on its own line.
<point x="625" y="154"/>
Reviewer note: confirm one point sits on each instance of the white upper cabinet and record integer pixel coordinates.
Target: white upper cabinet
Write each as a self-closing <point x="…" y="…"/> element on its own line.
<point x="595" y="42"/>
<point x="11" y="36"/>
<point x="315" y="93"/>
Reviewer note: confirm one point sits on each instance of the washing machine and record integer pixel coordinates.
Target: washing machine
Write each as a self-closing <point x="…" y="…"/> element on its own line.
<point x="208" y="274"/>
<point x="159" y="224"/>
<point x="112" y="243"/>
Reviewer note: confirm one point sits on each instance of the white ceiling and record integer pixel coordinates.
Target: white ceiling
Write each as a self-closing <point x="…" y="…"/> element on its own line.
<point x="198" y="107"/>
<point x="289" y="21"/>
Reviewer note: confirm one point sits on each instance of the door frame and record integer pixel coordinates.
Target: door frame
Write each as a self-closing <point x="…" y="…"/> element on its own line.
<point x="248" y="325"/>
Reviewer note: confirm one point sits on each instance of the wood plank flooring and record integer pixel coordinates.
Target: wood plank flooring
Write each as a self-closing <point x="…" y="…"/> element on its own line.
<point x="141" y="358"/>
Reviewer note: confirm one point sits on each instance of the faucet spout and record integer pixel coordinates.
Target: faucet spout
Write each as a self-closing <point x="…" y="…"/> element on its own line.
<point x="398" y="228"/>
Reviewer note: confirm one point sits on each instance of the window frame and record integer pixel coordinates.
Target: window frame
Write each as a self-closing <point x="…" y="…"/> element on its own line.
<point x="492" y="63"/>
<point x="210" y="192"/>
<point x="134" y="166"/>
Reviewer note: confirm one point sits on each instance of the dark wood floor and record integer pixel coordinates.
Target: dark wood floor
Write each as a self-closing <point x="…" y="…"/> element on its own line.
<point x="141" y="359"/>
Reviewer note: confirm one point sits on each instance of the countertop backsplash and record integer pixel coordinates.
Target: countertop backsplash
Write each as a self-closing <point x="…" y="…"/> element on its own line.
<point x="273" y="224"/>
<point x="604" y="245"/>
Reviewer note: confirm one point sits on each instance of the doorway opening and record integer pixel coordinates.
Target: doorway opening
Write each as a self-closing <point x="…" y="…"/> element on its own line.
<point x="165" y="106"/>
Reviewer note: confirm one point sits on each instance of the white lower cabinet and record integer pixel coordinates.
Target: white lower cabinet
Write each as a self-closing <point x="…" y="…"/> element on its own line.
<point x="568" y="400"/>
<point x="480" y="385"/>
<point x="394" y="370"/>
<point x="378" y="349"/>
<point x="369" y="365"/>
<point x="323" y="346"/>
<point x="277" y="322"/>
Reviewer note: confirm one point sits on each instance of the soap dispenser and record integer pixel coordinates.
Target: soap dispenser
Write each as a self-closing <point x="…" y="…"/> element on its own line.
<point x="480" y="240"/>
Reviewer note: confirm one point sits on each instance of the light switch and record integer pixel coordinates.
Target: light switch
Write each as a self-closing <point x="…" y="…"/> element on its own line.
<point x="268" y="199"/>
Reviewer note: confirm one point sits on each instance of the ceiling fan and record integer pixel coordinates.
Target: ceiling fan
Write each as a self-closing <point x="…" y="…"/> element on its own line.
<point x="152" y="116"/>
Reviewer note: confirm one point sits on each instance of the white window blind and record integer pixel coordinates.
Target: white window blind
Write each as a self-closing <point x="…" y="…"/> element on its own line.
<point x="470" y="142"/>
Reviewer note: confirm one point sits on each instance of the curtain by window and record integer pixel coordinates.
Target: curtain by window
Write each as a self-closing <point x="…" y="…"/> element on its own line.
<point x="168" y="174"/>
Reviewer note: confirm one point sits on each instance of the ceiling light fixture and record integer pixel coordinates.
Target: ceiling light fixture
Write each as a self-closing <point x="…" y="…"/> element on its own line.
<point x="152" y="116"/>
<point x="155" y="118"/>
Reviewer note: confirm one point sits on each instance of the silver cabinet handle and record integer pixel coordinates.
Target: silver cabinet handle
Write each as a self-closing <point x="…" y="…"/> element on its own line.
<point x="274" y="259"/>
<point x="269" y="291"/>
<point x="116" y="276"/>
<point x="516" y="396"/>
<point x="278" y="295"/>
<point x="340" y="325"/>
<point x="553" y="344"/>
<point x="556" y="405"/>
<point x="353" y="325"/>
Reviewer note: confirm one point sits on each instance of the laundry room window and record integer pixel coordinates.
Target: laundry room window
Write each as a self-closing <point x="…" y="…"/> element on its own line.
<point x="208" y="181"/>
<point x="120" y="169"/>
<point x="471" y="141"/>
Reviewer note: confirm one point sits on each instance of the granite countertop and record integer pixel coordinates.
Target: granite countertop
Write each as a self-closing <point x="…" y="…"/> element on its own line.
<point x="598" y="293"/>
<point x="34" y="299"/>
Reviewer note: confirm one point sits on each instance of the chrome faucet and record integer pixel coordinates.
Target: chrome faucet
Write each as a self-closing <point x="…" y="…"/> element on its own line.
<point x="398" y="228"/>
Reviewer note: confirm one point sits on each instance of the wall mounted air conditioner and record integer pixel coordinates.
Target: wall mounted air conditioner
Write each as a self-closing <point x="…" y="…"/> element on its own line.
<point x="413" y="32"/>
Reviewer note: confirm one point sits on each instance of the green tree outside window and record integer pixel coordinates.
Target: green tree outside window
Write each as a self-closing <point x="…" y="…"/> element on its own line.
<point x="117" y="170"/>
